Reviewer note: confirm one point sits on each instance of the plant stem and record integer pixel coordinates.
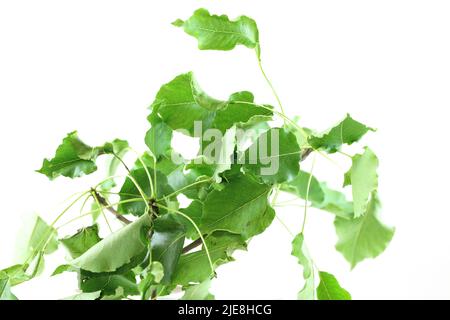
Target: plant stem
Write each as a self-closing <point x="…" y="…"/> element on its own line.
<point x="97" y="210"/>
<point x="122" y="162"/>
<point x="101" y="207"/>
<point x="269" y="83"/>
<point x="104" y="204"/>
<point x="47" y="236"/>
<point x="198" y="231"/>
<point x="345" y="154"/>
<point x="282" y="115"/>
<point x="307" y="195"/>
<point x="184" y="188"/>
<point x="152" y="184"/>
<point x="192" y="245"/>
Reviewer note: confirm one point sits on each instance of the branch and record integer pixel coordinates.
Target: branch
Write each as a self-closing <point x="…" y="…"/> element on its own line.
<point x="192" y="245"/>
<point x="104" y="203"/>
<point x="305" y="153"/>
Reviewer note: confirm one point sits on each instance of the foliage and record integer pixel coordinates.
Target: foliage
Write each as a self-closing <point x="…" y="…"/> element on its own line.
<point x="154" y="252"/>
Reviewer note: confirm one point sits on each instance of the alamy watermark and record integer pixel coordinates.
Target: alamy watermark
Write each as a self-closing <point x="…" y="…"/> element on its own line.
<point x="252" y="146"/>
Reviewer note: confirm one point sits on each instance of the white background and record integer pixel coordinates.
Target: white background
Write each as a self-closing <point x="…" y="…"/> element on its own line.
<point x="95" y="66"/>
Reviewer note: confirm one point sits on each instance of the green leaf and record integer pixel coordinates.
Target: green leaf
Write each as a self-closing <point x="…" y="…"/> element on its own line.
<point x="347" y="131"/>
<point x="37" y="236"/>
<point x="363" y="237"/>
<point x="73" y="159"/>
<point x="119" y="148"/>
<point x="330" y="289"/>
<point x="174" y="173"/>
<point x="152" y="276"/>
<point x="109" y="283"/>
<point x="364" y="179"/>
<point x="241" y="207"/>
<point x="97" y="208"/>
<point x="275" y="156"/>
<point x="167" y="243"/>
<point x="129" y="190"/>
<point x="218" y="32"/>
<point x="119" y="294"/>
<point x="193" y="211"/>
<point x="320" y="195"/>
<point x="116" y="250"/>
<point x="308" y="292"/>
<point x="336" y="203"/>
<point x="217" y="156"/>
<point x="194" y="267"/>
<point x="299" y="187"/>
<point x="158" y="137"/>
<point x="85" y="296"/>
<point x="5" y="288"/>
<point x="16" y="274"/>
<point x="83" y="240"/>
<point x="157" y="270"/>
<point x="181" y="102"/>
<point x="198" y="292"/>
<point x="241" y="113"/>
<point x="64" y="268"/>
<point x="300" y="251"/>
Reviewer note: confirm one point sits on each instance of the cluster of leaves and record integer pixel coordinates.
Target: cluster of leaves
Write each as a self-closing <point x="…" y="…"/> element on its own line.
<point x="162" y="247"/>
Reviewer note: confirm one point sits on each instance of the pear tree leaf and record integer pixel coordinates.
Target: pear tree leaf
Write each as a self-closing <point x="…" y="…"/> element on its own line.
<point x="167" y="242"/>
<point x="364" y="180"/>
<point x="130" y="191"/>
<point x="64" y="268"/>
<point x="16" y="274"/>
<point x="119" y="294"/>
<point x="119" y="148"/>
<point x="215" y="32"/>
<point x="159" y="136"/>
<point x="152" y="276"/>
<point x="108" y="283"/>
<point x="347" y="131"/>
<point x="194" y="267"/>
<point x="300" y="251"/>
<point x="37" y="236"/>
<point x="183" y="96"/>
<point x="198" y="291"/>
<point x="330" y="289"/>
<point x="336" y="203"/>
<point x="5" y="288"/>
<point x="97" y="208"/>
<point x="275" y="156"/>
<point x="116" y="250"/>
<point x="320" y="195"/>
<point x="299" y="187"/>
<point x="174" y="172"/>
<point x="241" y="207"/>
<point x="217" y="155"/>
<point x="73" y="159"/>
<point x="363" y="237"/>
<point x="157" y="271"/>
<point x="195" y="212"/>
<point x="180" y="176"/>
<point x="82" y="241"/>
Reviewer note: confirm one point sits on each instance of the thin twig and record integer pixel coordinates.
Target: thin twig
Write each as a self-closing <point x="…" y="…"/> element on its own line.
<point x="192" y="245"/>
<point x="105" y="204"/>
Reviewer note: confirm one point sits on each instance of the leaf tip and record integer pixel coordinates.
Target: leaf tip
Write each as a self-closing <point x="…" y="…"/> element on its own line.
<point x="178" y="23"/>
